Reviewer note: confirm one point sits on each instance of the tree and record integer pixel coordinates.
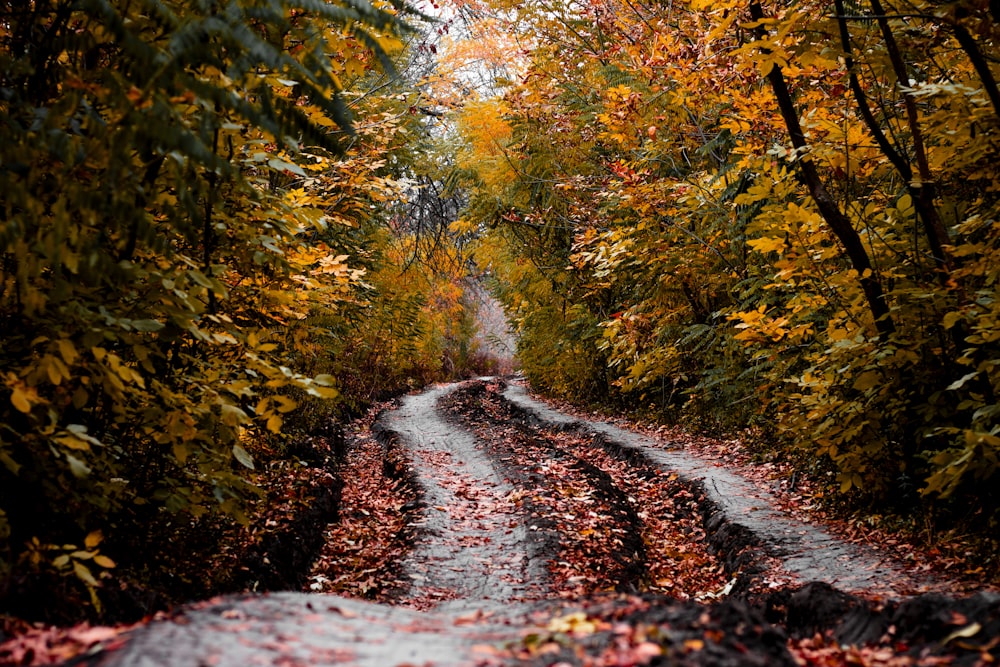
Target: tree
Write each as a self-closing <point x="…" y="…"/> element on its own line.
<point x="157" y="252"/>
<point x="764" y="214"/>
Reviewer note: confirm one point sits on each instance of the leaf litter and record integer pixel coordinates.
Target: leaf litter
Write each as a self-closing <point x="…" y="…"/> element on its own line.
<point x="631" y="580"/>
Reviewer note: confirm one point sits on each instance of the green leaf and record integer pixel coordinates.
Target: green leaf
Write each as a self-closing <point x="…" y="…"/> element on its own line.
<point x="146" y="325"/>
<point x="9" y="463"/>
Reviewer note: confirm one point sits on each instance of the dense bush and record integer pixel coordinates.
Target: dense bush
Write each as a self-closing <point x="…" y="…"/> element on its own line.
<point x="195" y="276"/>
<point x="778" y="215"/>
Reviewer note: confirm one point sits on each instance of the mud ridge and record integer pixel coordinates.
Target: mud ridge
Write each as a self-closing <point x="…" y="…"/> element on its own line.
<point x="630" y="555"/>
<point x="743" y="554"/>
<point x="397" y="466"/>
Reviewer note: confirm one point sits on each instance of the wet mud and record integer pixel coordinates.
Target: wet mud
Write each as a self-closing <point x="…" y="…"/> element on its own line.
<point x="482" y="582"/>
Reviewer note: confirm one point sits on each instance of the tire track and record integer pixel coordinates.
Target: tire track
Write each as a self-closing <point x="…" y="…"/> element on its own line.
<point x="473" y="549"/>
<point x="737" y="512"/>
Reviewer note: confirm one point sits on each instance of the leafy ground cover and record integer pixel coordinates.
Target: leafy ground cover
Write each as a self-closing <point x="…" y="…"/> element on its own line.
<point x="273" y="550"/>
<point x="811" y="625"/>
<point x="619" y="526"/>
<point x="630" y="568"/>
<point x="363" y="548"/>
<point x="952" y="556"/>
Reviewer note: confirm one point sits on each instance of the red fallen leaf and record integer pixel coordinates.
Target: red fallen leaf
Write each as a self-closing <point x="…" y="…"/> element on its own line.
<point x="474" y="617"/>
<point x="346" y="613"/>
<point x="94" y="635"/>
<point x="645" y="652"/>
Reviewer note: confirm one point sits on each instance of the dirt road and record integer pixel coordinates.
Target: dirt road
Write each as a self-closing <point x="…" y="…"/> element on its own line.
<point x="543" y="539"/>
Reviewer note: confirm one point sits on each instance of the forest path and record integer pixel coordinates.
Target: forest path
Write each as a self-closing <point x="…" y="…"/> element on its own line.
<point x="483" y="569"/>
<point x="473" y="583"/>
<point x="805" y="551"/>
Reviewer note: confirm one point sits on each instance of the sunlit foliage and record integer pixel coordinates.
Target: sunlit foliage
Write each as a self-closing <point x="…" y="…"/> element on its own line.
<point x="757" y="214"/>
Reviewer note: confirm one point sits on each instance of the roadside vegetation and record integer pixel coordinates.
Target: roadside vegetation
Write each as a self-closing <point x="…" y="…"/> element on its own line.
<point x="215" y="245"/>
<point x="763" y="218"/>
<point x="229" y="227"/>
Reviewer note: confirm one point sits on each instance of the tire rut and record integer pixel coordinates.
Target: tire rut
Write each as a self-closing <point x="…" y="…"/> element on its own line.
<point x="480" y="579"/>
<point x="471" y="553"/>
<point x="528" y="455"/>
<point x="745" y="523"/>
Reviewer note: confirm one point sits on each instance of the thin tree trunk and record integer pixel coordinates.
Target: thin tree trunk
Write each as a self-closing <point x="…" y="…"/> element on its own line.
<point x="828" y="208"/>
<point x="922" y="192"/>
<point x="923" y="186"/>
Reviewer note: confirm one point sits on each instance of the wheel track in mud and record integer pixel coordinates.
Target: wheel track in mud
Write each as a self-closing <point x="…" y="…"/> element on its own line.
<point x="473" y="551"/>
<point x="745" y="522"/>
<point x="526" y="455"/>
<point x="477" y="578"/>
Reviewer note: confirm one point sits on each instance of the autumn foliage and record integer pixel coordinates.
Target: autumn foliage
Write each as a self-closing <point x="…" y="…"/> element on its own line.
<point x="772" y="215"/>
<point x="224" y="223"/>
<point x="197" y="274"/>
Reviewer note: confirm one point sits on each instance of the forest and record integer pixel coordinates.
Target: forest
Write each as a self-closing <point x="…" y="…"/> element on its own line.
<point x="229" y="226"/>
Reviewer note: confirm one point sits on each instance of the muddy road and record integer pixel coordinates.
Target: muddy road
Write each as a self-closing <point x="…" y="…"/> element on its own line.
<point x="543" y="539"/>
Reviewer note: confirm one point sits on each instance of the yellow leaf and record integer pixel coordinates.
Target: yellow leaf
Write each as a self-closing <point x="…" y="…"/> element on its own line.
<point x="19" y="399"/>
<point x="73" y="442"/>
<point x="67" y="350"/>
<point x="274" y="424"/>
<point x="104" y="561"/>
<point x="576" y="623"/>
<point x="866" y="380"/>
<point x="322" y="392"/>
<point x="389" y="44"/>
<point x="951" y="319"/>
<point x="286" y="404"/>
<point x="84" y="574"/>
<point x="93" y="539"/>
<point x="354" y="67"/>
<point x="766" y="245"/>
